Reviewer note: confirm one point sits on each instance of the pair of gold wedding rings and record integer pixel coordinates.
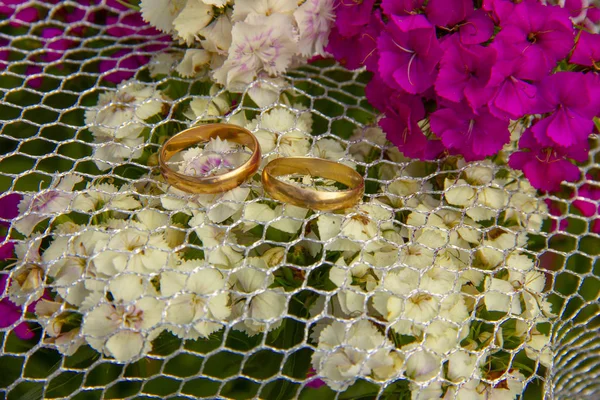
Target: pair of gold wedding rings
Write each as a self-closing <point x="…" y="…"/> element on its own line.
<point x="276" y="188"/>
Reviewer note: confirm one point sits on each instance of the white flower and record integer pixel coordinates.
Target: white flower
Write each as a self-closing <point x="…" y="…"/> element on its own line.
<point x="259" y="43"/>
<point x="105" y="195"/>
<point x="218" y="207"/>
<point x="265" y="91"/>
<point x="195" y="62"/>
<point x="119" y="114"/>
<point x="194" y="16"/>
<point x="279" y="128"/>
<point x="524" y="206"/>
<point x="462" y="366"/>
<point x="366" y="141"/>
<point x="197" y="300"/>
<point x="538" y="348"/>
<point x="162" y="63"/>
<point x="50" y="315"/>
<point x="438" y="280"/>
<point x="353" y="281"/>
<point x="470" y="390"/>
<point x="366" y="223"/>
<point x="286" y="218"/>
<point x="416" y="256"/>
<point x="442" y="336"/>
<point x="347" y="353"/>
<point x="217" y="3"/>
<point x="118" y="121"/>
<point x="507" y="388"/>
<point x="216" y="38"/>
<point x="69" y="261"/>
<point x="49" y="202"/>
<point x="161" y="15"/>
<point x="422" y="365"/>
<point x="243" y="8"/>
<point x="454" y="308"/>
<point x="458" y="229"/>
<point x="259" y="308"/>
<point x="427" y="392"/>
<point x="501" y="296"/>
<point x="314" y="18"/>
<point x="27" y="279"/>
<point x="123" y="330"/>
<point x="329" y="149"/>
<point x="133" y="249"/>
<point x="208" y="109"/>
<point x="481" y="203"/>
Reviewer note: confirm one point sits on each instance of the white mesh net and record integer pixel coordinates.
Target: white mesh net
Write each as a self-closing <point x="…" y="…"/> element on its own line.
<point x="448" y="280"/>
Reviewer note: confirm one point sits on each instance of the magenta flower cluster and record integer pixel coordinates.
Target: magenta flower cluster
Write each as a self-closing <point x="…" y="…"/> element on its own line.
<point x="452" y="78"/>
<point x="77" y="22"/>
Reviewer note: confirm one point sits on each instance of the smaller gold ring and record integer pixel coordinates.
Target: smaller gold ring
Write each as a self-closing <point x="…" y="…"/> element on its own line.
<point x="202" y="134"/>
<point x="309" y="198"/>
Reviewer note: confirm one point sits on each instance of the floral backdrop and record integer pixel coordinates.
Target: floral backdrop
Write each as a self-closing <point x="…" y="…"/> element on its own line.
<point x="467" y="271"/>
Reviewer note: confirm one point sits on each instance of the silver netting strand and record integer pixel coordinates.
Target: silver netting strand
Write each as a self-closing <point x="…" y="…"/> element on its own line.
<point x="281" y="296"/>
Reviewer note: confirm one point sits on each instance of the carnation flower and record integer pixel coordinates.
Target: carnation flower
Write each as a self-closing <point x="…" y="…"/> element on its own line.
<point x="244" y="8"/>
<point x="540" y="34"/>
<point x="465" y="72"/>
<point x="546" y="167"/>
<point x="571" y="113"/>
<point x="33" y="209"/>
<point x="347" y="353"/>
<point x="118" y="121"/>
<point x="314" y="18"/>
<point x="133" y="249"/>
<point x="586" y="50"/>
<point x="408" y="53"/>
<point x="197" y="299"/>
<point x="258" y="44"/>
<point x="189" y="22"/>
<point x="474" y="135"/>
<point x="162" y="15"/>
<point x="260" y="309"/>
<point x="123" y="330"/>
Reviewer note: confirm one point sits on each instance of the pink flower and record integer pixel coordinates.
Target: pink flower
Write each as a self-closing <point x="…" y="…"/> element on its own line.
<point x="465" y="72"/>
<point x="546" y="167"/>
<point x="313" y="382"/>
<point x="409" y="52"/>
<point x="357" y="50"/>
<point x="402" y="115"/>
<point x="478" y="28"/>
<point x="587" y="50"/>
<point x="514" y="96"/>
<point x="10" y="313"/>
<point x="9" y="209"/>
<point x="474" y="135"/>
<point x="401" y="7"/>
<point x="352" y="16"/>
<point x="448" y="12"/>
<point x="569" y="99"/>
<point x="541" y="35"/>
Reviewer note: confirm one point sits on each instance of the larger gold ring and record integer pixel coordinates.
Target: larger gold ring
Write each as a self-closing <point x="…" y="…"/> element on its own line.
<point x="201" y="134"/>
<point x="309" y="198"/>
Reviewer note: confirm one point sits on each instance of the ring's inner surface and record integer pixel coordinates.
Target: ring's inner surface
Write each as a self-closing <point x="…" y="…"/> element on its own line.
<point x="316" y="168"/>
<point x="207" y="152"/>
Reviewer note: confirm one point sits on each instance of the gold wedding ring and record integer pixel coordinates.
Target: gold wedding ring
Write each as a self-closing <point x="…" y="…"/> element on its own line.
<point x="202" y="134"/>
<point x="309" y="198"/>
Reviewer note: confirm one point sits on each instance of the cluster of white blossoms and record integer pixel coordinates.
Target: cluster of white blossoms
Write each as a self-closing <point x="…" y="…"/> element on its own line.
<point x="419" y="270"/>
<point x="428" y="280"/>
<point x="117" y="122"/>
<point x="236" y="41"/>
